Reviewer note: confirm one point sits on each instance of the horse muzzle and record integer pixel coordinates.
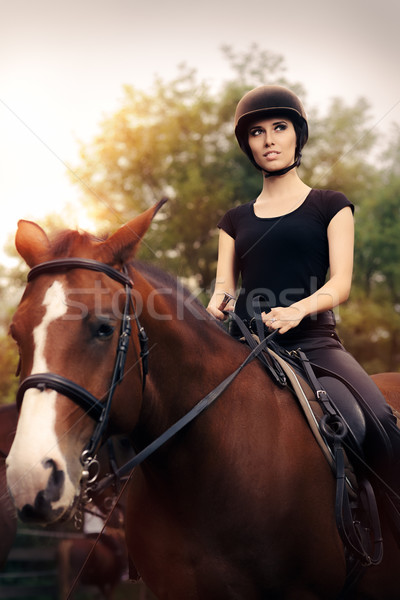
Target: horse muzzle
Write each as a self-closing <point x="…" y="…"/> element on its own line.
<point x="41" y="494"/>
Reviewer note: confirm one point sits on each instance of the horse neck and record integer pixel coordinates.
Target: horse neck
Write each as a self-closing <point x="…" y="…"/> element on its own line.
<point x="190" y="355"/>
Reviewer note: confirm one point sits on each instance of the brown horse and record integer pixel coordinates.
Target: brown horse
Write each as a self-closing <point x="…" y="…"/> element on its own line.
<point x="389" y="384"/>
<point x="239" y="504"/>
<point x="8" y="515"/>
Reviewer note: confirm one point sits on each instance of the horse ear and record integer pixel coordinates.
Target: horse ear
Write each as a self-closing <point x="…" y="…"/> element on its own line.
<point x="123" y="244"/>
<point x="31" y="242"/>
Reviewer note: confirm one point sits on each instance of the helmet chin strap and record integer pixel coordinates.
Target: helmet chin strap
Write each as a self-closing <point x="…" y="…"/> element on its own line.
<point x="281" y="171"/>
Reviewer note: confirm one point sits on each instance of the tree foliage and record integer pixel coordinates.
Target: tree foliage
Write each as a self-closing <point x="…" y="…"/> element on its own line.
<point x="9" y="364"/>
<point x="336" y="156"/>
<point x="378" y="243"/>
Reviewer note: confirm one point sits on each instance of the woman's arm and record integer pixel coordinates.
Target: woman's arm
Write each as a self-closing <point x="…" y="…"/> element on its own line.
<point x="336" y="290"/>
<point x="227" y="274"/>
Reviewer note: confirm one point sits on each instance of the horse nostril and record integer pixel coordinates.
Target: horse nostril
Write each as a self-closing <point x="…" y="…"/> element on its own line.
<point x="42" y="509"/>
<point x="49" y="463"/>
<point x="56" y="480"/>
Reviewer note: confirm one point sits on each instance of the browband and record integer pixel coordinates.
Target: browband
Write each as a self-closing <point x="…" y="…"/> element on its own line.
<point x="61" y="264"/>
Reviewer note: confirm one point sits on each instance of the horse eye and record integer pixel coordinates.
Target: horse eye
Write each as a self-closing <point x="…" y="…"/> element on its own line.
<point x="105" y="330"/>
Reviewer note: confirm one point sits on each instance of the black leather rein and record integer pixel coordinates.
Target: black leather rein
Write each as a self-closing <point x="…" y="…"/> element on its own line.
<point x="97" y="410"/>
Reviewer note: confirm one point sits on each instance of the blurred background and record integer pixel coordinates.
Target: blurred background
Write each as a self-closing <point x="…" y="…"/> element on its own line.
<point x="106" y="106"/>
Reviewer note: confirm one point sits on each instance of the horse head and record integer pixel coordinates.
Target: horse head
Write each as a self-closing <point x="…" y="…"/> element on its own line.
<point x="68" y="331"/>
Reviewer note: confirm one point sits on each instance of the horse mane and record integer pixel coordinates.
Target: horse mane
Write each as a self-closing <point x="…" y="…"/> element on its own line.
<point x="157" y="275"/>
<point x="163" y="279"/>
<point x="160" y="278"/>
<point x="65" y="243"/>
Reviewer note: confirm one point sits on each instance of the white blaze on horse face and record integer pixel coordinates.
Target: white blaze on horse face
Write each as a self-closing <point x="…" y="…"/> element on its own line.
<point x="36" y="451"/>
<point x="56" y="303"/>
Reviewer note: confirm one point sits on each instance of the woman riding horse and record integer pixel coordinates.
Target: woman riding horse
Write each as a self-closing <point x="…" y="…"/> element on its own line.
<point x="282" y="244"/>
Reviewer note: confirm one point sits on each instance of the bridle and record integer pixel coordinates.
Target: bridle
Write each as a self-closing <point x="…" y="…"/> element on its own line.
<point x="97" y="410"/>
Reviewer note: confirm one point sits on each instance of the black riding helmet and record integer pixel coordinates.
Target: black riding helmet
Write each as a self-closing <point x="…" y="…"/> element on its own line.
<point x="264" y="101"/>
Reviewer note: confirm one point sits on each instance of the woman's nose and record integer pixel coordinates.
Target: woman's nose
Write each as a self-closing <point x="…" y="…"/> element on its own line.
<point x="268" y="138"/>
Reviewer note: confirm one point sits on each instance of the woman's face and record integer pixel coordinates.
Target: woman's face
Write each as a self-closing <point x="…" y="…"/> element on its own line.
<point x="273" y="142"/>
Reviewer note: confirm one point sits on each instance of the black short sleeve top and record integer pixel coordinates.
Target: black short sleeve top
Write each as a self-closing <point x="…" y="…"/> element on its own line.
<point x="282" y="259"/>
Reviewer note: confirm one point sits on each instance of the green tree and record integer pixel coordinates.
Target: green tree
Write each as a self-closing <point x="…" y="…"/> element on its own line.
<point x="9" y="365"/>
<point x="370" y="331"/>
<point x="370" y="322"/>
<point x="377" y="249"/>
<point x="336" y="156"/>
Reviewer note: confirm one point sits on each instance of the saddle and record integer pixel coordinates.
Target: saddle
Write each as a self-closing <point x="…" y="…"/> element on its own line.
<point x="331" y="407"/>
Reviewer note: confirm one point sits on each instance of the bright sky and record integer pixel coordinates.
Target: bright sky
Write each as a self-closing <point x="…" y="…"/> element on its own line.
<point x="63" y="65"/>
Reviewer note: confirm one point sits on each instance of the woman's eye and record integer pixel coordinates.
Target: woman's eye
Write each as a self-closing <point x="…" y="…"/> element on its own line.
<point x="255" y="132"/>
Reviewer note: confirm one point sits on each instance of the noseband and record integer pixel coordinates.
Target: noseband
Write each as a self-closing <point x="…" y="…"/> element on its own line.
<point x="97" y="410"/>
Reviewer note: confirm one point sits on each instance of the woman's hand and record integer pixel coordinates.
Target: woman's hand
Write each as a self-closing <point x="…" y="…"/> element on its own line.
<point x="283" y="318"/>
<point x="216" y="312"/>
